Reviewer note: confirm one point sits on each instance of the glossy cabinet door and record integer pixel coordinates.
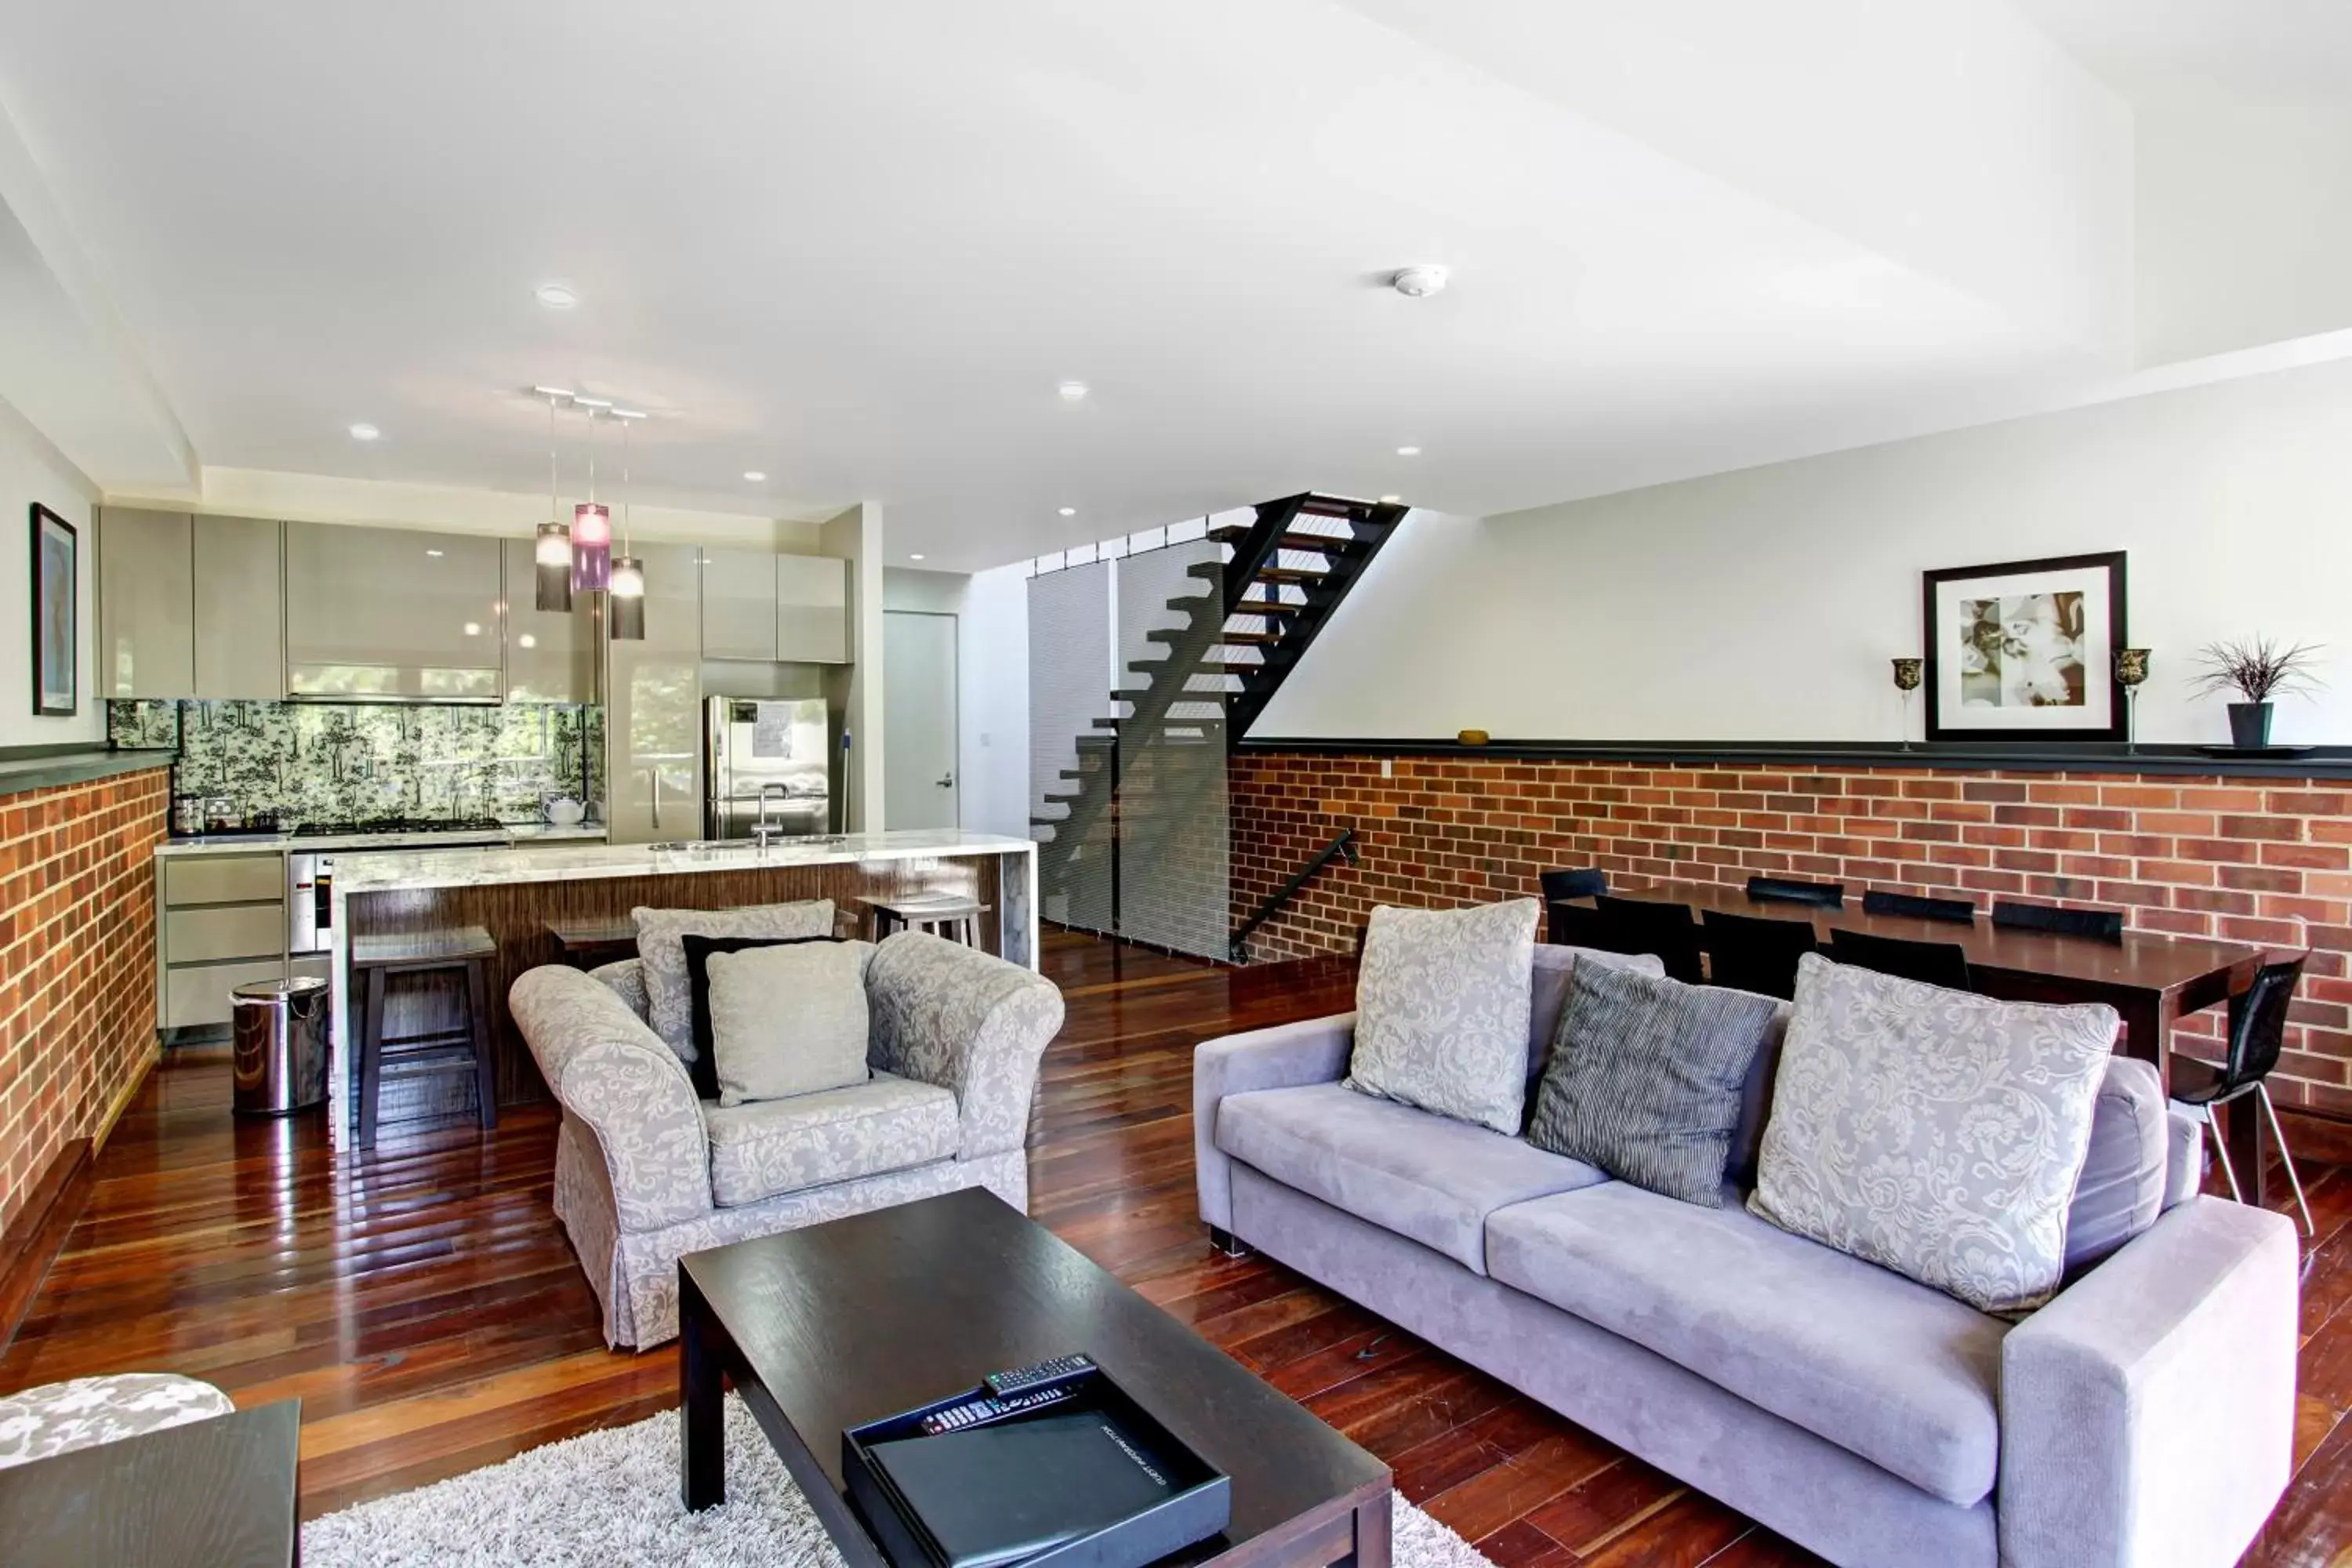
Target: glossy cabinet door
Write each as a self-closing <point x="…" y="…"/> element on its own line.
<point x="739" y="605"/>
<point x="146" y="567"/>
<point x="390" y="613"/>
<point x="812" y="609"/>
<point x="653" y="714"/>
<point x="239" y="602"/>
<point x="551" y="654"/>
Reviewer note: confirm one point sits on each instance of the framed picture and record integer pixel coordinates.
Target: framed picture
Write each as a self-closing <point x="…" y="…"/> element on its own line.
<point x="57" y="598"/>
<point x="2025" y="650"/>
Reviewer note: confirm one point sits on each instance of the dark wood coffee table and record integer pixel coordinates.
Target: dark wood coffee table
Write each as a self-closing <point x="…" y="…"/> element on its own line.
<point x="840" y="1323"/>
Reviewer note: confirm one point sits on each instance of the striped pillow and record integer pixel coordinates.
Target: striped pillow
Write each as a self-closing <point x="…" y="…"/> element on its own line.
<point x="1644" y="1079"/>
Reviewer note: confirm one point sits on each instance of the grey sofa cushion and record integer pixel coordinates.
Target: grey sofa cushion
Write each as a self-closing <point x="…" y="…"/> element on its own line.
<point x="776" y="1146"/>
<point x="1646" y="1078"/>
<point x="1547" y="994"/>
<point x="1441" y="1003"/>
<point x="1887" y="1368"/>
<point x="661" y="952"/>
<point x="1936" y="1132"/>
<point x="2121" y="1190"/>
<point x="1423" y="1176"/>
<point x="786" y="1021"/>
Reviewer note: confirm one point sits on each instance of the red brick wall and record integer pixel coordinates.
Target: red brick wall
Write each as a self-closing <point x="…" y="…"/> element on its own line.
<point x="77" y="963"/>
<point x="2258" y="861"/>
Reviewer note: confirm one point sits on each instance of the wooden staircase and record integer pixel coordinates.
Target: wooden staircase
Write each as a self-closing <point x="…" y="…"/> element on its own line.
<point x="1284" y="575"/>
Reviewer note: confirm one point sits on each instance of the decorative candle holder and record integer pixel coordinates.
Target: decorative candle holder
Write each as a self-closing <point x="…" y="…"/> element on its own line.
<point x="1908" y="673"/>
<point x="2131" y="674"/>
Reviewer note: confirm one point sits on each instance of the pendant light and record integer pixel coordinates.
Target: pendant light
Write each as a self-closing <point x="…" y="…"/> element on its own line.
<point x="551" y="555"/>
<point x="628" y="616"/>
<point x="592" y="531"/>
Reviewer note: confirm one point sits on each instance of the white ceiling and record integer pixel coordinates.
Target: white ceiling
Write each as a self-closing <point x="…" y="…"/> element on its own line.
<point x="857" y="246"/>
<point x="2273" y="54"/>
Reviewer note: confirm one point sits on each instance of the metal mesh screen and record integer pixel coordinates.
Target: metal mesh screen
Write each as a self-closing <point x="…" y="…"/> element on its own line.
<point x="1070" y="782"/>
<point x="1174" y="841"/>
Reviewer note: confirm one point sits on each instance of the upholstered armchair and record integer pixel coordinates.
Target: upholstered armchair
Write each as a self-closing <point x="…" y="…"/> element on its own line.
<point x="645" y="1172"/>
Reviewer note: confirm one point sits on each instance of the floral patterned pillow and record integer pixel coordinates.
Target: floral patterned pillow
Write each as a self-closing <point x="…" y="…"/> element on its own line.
<point x="1934" y="1132"/>
<point x="1442" y="998"/>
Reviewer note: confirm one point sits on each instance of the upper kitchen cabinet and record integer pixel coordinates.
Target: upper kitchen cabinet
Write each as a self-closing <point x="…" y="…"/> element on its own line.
<point x="386" y="613"/>
<point x="812" y="609"/>
<point x="239" y="605"/>
<point x="551" y="654"/>
<point x="739" y="605"/>
<point x="145" y="591"/>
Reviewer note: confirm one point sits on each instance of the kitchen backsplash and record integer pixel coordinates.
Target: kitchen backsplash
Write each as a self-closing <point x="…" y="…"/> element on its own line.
<point x="313" y="762"/>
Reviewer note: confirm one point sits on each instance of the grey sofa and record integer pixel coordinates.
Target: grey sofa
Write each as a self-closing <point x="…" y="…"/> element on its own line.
<point x="2145" y="1415"/>
<point x="646" y="1172"/>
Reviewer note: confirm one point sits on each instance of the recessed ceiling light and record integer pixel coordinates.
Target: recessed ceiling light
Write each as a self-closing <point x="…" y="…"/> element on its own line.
<point x="473" y="628"/>
<point x="556" y="296"/>
<point x="1073" y="391"/>
<point x="1391" y="501"/>
<point x="1069" y="511"/>
<point x="1408" y="451"/>
<point x="914" y="555"/>
<point x="526" y="640"/>
<point x="432" y="553"/>
<point x="364" y="432"/>
<point x="755" y="476"/>
<point x="1418" y="282"/>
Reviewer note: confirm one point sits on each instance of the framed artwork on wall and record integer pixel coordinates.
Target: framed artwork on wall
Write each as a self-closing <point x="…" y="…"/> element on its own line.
<point x="57" y="598"/>
<point x="2025" y="650"/>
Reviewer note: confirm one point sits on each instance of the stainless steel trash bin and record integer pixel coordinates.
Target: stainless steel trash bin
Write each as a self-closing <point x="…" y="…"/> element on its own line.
<point x="279" y="1058"/>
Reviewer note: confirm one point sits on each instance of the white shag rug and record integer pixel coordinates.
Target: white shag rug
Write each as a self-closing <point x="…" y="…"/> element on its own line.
<point x="611" y="1498"/>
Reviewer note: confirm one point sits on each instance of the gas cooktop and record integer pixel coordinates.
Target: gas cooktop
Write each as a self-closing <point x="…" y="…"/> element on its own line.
<point x="399" y="825"/>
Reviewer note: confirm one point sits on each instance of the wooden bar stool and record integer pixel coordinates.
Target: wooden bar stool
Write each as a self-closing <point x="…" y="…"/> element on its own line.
<point x="375" y="959"/>
<point x="950" y="915"/>
<point x="589" y="943"/>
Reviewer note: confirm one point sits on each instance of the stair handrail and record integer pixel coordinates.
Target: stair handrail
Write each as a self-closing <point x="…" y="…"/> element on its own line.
<point x="1345" y="844"/>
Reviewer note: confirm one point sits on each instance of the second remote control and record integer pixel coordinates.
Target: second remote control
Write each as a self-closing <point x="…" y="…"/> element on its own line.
<point x="1044" y="1375"/>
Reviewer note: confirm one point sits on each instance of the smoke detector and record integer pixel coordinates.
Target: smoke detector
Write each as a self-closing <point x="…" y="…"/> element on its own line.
<point x="1418" y="282"/>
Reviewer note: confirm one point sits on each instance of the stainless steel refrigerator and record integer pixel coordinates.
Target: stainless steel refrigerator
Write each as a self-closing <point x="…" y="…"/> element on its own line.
<point x="766" y="755"/>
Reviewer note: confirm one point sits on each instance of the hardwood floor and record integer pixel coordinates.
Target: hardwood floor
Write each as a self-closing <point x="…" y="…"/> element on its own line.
<point x="425" y="1307"/>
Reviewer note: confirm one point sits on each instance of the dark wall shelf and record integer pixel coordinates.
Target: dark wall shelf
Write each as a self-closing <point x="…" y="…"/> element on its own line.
<point x="2320" y="763"/>
<point x="39" y="767"/>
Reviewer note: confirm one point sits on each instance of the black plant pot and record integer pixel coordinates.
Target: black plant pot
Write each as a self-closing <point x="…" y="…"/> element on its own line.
<point x="2250" y="725"/>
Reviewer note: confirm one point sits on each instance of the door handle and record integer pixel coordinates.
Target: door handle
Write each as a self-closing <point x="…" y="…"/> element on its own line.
<point x="947" y="783"/>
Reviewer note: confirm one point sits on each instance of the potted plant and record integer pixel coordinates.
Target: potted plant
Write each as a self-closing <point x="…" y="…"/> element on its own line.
<point x="2257" y="669"/>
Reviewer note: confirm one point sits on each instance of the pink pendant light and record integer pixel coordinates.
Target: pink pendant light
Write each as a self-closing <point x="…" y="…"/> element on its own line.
<point x="592" y="531"/>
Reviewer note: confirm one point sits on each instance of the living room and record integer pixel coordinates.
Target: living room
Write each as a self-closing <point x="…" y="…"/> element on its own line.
<point x="1578" y="778"/>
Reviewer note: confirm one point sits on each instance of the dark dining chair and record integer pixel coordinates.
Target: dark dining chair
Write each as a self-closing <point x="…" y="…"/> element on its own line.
<point x="1574" y="925"/>
<point x="1944" y="963"/>
<point x="1644" y="925"/>
<point x="2257" y="1032"/>
<point x="2106" y="925"/>
<point x="1957" y="911"/>
<point x="1589" y="883"/>
<point x="1748" y="953"/>
<point x="1788" y="891"/>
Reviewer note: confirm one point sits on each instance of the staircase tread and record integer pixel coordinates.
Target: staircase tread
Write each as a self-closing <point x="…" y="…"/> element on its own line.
<point x="1290" y="575"/>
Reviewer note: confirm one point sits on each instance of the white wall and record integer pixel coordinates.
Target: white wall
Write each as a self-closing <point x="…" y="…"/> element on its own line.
<point x="1764" y="605"/>
<point x="31" y="469"/>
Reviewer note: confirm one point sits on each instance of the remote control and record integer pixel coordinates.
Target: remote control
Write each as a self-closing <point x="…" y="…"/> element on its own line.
<point x="979" y="1411"/>
<point x="1044" y="1375"/>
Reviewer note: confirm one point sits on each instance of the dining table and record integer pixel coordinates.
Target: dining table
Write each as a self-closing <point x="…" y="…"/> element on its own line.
<point x="2151" y="979"/>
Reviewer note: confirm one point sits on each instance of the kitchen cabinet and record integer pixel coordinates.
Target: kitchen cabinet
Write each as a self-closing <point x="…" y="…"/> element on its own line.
<point x="145" y="591"/>
<point x="551" y="654"/>
<point x="739" y="605"/>
<point x="388" y="612"/>
<point x="222" y="925"/>
<point x="652" y="716"/>
<point x="812" y="609"/>
<point x="238" y="603"/>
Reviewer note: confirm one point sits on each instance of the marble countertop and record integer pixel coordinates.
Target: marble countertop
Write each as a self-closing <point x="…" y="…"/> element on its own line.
<point x="42" y="767"/>
<point x="513" y="834"/>
<point x="370" y="871"/>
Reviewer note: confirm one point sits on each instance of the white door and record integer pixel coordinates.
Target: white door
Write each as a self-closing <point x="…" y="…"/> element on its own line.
<point x="919" y="732"/>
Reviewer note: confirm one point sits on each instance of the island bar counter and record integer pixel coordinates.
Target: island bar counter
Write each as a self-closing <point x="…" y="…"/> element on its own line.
<point x="514" y="893"/>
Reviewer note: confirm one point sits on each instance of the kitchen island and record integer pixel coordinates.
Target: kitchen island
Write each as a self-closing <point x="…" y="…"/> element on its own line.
<point x="515" y="894"/>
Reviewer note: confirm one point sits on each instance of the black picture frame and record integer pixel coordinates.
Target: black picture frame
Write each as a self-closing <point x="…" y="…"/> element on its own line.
<point x="55" y="615"/>
<point x="2102" y="713"/>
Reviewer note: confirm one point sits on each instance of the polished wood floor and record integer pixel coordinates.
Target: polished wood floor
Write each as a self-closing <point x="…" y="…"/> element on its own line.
<point x="426" y="1309"/>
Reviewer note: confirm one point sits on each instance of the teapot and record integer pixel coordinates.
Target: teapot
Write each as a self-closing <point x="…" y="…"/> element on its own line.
<point x="564" y="811"/>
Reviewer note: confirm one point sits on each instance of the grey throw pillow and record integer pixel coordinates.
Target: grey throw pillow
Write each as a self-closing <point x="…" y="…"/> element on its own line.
<point x="1931" y="1132"/>
<point x="1442" y="1005"/>
<point x="1644" y="1079"/>
<point x="661" y="952"/>
<point x="789" y="1020"/>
